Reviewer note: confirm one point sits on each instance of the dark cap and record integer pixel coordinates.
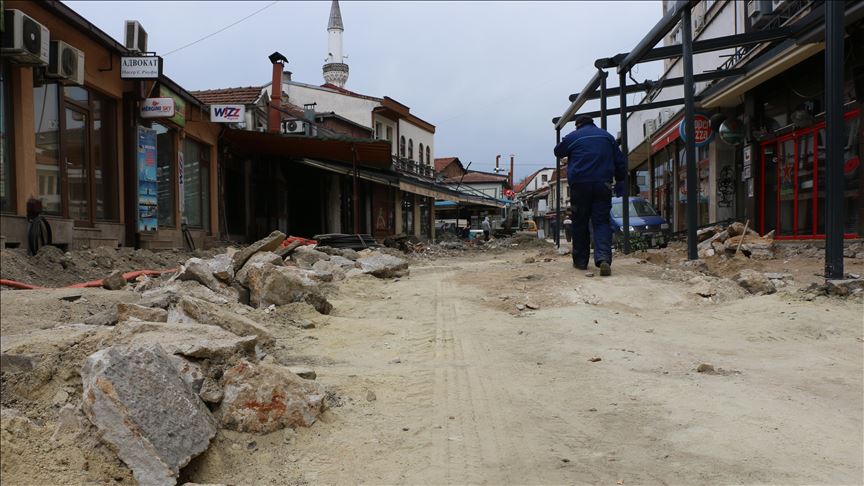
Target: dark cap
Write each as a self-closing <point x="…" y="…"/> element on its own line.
<point x="583" y="119"/>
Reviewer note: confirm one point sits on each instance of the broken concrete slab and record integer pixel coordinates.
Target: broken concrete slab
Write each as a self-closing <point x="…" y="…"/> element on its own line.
<point x="222" y="267"/>
<point x="347" y="253"/>
<point x="115" y="281"/>
<point x="755" y="282"/>
<point x="129" y="312"/>
<point x="262" y="398"/>
<point x="190" y="372"/>
<point x="268" y="243"/>
<point x="145" y="411"/>
<point x="383" y="266"/>
<point x="187" y="339"/>
<point x="269" y="284"/>
<point x="108" y="317"/>
<point x="303" y="372"/>
<point x="844" y="287"/>
<point x="206" y="313"/>
<point x="171" y="293"/>
<point x="256" y="259"/>
<point x="199" y="271"/>
<point x="285" y="251"/>
<point x="306" y="256"/>
<point x="211" y="391"/>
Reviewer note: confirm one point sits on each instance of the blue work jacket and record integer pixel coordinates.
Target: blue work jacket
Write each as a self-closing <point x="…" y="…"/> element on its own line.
<point x="592" y="156"/>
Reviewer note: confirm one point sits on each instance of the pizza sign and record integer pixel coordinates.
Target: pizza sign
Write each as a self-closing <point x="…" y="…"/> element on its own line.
<point x="702" y="126"/>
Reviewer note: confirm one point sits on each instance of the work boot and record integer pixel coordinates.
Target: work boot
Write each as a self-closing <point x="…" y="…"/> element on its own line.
<point x="605" y="269"/>
<point x="579" y="267"/>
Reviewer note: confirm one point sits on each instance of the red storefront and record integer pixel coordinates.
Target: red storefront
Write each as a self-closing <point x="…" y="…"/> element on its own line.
<point x="792" y="170"/>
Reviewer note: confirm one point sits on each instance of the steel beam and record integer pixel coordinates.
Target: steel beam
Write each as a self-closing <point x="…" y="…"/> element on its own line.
<point x="642" y="107"/>
<point x="655" y="35"/>
<point x="690" y="135"/>
<point x="557" y="192"/>
<point x="603" y="94"/>
<point x="577" y="103"/>
<point x="834" y="142"/>
<point x="665" y="83"/>
<point x="625" y="198"/>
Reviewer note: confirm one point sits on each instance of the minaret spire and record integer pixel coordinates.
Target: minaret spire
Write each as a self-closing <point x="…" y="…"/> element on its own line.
<point x="335" y="69"/>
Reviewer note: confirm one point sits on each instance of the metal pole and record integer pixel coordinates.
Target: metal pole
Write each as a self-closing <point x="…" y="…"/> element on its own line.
<point x="690" y="134"/>
<point x="557" y="192"/>
<point x="834" y="39"/>
<point x="603" y="77"/>
<point x="356" y="196"/>
<point x="625" y="199"/>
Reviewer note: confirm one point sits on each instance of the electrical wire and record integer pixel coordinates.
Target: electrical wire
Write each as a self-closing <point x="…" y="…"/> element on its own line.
<point x="222" y="29"/>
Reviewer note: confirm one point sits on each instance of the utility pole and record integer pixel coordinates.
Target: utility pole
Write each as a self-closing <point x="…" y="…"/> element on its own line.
<point x="690" y="134"/>
<point x="834" y="39"/>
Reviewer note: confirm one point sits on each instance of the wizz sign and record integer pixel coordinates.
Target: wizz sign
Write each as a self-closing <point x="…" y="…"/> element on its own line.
<point x="227" y="113"/>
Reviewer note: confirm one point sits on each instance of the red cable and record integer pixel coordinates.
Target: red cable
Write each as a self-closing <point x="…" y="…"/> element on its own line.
<point x="93" y="283"/>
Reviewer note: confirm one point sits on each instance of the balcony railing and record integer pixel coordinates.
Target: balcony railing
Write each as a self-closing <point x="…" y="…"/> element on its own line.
<point x="407" y="165"/>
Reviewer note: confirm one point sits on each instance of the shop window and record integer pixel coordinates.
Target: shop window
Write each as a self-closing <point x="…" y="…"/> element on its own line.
<point x="407" y="213"/>
<point x="196" y="184"/>
<point x="46" y="121"/>
<point x="105" y="160"/>
<point x="76" y="163"/>
<point x="165" y="174"/>
<point x="420" y="154"/>
<point x="7" y="199"/>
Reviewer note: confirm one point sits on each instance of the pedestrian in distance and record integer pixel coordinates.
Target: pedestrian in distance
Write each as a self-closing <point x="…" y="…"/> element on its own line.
<point x="568" y="228"/>
<point x="487" y="228"/>
<point x="593" y="158"/>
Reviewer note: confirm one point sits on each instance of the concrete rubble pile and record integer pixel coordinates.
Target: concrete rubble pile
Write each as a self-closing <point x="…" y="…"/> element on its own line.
<point x="162" y="375"/>
<point x="735" y="238"/>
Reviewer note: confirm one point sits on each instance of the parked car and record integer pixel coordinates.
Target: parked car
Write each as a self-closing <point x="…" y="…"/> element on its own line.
<point x="645" y="222"/>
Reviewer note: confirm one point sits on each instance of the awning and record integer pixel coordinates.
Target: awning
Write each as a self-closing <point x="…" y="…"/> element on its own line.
<point x="373" y="154"/>
<point x="347" y="170"/>
<point x="426" y="191"/>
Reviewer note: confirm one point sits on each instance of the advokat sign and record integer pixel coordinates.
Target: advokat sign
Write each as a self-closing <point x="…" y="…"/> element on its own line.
<point x="140" y="67"/>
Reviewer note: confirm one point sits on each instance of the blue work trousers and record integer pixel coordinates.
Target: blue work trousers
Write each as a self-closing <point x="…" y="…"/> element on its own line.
<point x="591" y="201"/>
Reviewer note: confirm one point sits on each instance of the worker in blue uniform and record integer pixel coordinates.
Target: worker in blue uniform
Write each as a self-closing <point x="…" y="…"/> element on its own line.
<point x="593" y="158"/>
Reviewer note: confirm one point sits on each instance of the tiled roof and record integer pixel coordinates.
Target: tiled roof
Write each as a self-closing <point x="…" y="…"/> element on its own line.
<point x="349" y="92"/>
<point x="479" y="177"/>
<point x="442" y="163"/>
<point x="242" y="96"/>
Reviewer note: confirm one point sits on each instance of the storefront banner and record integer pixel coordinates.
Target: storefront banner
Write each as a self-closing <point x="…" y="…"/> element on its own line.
<point x="157" y="108"/>
<point x="227" y="113"/>
<point x="140" y="67"/>
<point x="702" y="125"/>
<point x="179" y="117"/>
<point x="147" y="184"/>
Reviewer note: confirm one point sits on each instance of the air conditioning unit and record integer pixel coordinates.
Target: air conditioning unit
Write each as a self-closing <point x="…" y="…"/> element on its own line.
<point x="24" y="40"/>
<point x="136" y="36"/>
<point x="649" y="126"/>
<point x="759" y="11"/>
<point x="66" y="63"/>
<point x="294" y="127"/>
<point x="664" y="116"/>
<point x="698" y="22"/>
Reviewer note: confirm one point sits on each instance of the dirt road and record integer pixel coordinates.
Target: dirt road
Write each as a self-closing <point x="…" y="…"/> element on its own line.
<point x="440" y="380"/>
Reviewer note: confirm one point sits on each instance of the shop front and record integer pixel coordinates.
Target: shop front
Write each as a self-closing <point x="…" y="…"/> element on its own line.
<point x="792" y="168"/>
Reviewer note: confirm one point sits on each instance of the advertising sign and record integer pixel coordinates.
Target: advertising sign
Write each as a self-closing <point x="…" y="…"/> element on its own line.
<point x="732" y="131"/>
<point x="227" y="113"/>
<point x="140" y="67"/>
<point x="157" y="108"/>
<point x="748" y="161"/>
<point x="702" y="126"/>
<point x="148" y="214"/>
<point x="179" y="105"/>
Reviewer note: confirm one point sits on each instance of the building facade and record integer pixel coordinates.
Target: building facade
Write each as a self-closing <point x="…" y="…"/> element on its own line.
<point x="763" y="160"/>
<point x="73" y="143"/>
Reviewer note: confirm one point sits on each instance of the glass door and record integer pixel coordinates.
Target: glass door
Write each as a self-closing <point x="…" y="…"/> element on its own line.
<point x="806" y="213"/>
<point x="769" y="185"/>
<point x="786" y="187"/>
<point x="77" y="165"/>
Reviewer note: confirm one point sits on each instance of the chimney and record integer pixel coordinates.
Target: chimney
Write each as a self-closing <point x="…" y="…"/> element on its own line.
<point x="275" y="116"/>
<point x="511" y="170"/>
<point x="497" y="157"/>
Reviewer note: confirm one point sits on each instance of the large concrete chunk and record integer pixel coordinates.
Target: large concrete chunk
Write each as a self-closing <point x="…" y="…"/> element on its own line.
<point x="262" y="398"/>
<point x="269" y="243"/>
<point x="255" y="260"/>
<point x="222" y="267"/>
<point x="144" y="410"/>
<point x="269" y="284"/>
<point x="755" y="282"/>
<point x="306" y="256"/>
<point x="134" y="312"/>
<point x="198" y="270"/>
<point x="383" y="266"/>
<point x="194" y="340"/>
<point x="207" y="313"/>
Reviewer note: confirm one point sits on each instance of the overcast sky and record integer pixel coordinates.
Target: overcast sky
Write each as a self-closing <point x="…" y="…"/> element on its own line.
<point x="489" y="75"/>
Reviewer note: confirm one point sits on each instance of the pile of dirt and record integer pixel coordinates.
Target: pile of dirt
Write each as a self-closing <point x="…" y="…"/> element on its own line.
<point x="51" y="267"/>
